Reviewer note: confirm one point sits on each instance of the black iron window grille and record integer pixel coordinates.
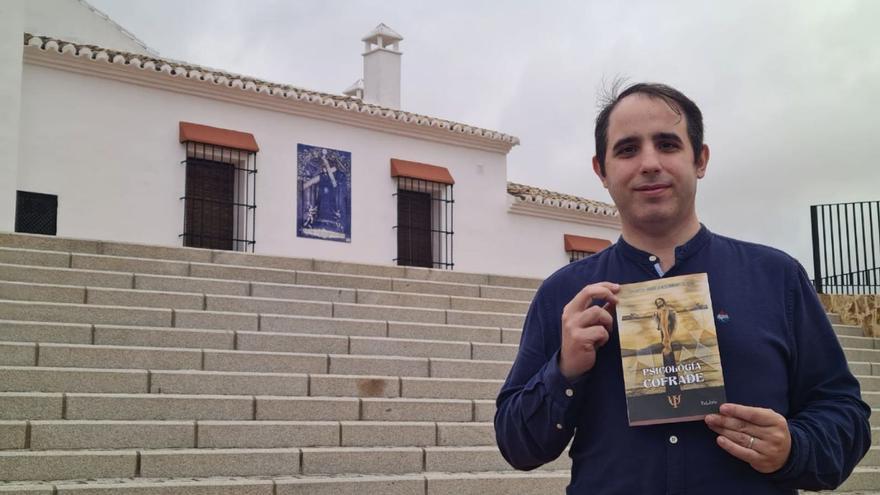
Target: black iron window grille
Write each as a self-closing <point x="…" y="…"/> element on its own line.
<point x="578" y="255"/>
<point x="36" y="213"/>
<point x="846" y="247"/>
<point x="424" y="223"/>
<point x="220" y="197"/>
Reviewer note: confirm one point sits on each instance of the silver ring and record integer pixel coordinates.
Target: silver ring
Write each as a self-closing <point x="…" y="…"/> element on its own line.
<point x="751" y="441"/>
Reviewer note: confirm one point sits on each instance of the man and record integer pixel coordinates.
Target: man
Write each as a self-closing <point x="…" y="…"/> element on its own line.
<point x="794" y="418"/>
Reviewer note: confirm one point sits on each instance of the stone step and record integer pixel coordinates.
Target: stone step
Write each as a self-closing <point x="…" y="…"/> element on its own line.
<point x="448" y="283"/>
<point x="848" y="330"/>
<point x="872" y="458"/>
<point x="875" y="417"/>
<point x="188" y="462"/>
<point x="485" y="483"/>
<point x="96" y="380"/>
<point x="85" y="313"/>
<point x="94" y="406"/>
<point x="119" y="249"/>
<point x="871" y="398"/>
<point x="225" y="313"/>
<point x="95" y="434"/>
<point x="34" y="257"/>
<point x="869" y="383"/>
<point x="865" y="355"/>
<point x="196" y="285"/>
<point x="65" y="276"/>
<point x="161" y="358"/>
<point x="862" y="478"/>
<point x="856" y="342"/>
<point x="221" y="280"/>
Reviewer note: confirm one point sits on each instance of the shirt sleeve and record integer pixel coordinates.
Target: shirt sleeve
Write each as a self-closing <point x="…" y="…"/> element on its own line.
<point x="537" y="405"/>
<point x="829" y="422"/>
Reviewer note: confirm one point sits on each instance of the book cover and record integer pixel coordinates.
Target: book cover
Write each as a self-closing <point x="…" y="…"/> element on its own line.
<point x="669" y="349"/>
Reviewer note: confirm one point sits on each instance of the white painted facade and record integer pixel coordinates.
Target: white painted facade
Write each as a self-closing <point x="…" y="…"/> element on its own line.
<point x="104" y="138"/>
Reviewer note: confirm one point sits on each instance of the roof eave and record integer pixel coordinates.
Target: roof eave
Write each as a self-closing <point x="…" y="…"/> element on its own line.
<point x="195" y="80"/>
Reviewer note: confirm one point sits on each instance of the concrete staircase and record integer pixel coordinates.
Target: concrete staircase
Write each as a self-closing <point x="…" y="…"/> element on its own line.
<point x="131" y="369"/>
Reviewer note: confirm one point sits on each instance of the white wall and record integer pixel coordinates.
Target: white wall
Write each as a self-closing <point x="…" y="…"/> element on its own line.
<point x="11" y="22"/>
<point x="110" y="151"/>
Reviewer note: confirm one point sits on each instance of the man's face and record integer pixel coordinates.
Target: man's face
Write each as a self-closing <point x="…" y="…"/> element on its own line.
<point x="649" y="166"/>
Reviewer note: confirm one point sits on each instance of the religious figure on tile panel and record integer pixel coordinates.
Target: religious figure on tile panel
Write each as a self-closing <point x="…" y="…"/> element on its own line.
<point x="324" y="193"/>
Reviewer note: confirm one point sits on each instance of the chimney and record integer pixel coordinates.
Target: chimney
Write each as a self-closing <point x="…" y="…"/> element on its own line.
<point x="381" y="83"/>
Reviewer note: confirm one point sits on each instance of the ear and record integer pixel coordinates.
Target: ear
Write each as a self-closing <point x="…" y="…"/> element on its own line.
<point x="703" y="162"/>
<point x="598" y="171"/>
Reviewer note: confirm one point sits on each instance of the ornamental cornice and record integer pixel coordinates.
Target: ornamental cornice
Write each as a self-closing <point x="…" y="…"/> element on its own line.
<point x="536" y="202"/>
<point x="195" y="80"/>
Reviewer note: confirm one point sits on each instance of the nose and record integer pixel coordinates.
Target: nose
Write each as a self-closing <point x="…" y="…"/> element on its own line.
<point x="649" y="162"/>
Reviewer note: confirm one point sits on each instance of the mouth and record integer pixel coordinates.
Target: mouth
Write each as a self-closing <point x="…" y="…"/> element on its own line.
<point x="652" y="188"/>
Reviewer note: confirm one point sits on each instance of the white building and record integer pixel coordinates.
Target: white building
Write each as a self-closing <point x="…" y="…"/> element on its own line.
<point x="102" y="138"/>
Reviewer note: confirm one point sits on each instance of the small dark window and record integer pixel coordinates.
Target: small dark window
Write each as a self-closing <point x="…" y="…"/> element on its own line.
<point x="219" y="208"/>
<point x="414" y="229"/>
<point x="424" y="223"/>
<point x="36" y="213"/>
<point x="578" y="255"/>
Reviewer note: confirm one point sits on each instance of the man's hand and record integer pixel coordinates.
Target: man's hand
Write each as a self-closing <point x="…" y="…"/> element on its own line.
<point x="753" y="434"/>
<point x="586" y="328"/>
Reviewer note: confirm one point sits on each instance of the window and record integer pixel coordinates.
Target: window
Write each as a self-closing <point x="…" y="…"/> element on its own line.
<point x="579" y="247"/>
<point x="578" y="255"/>
<point x="219" y="198"/>
<point x="414" y="242"/>
<point x="424" y="215"/>
<point x="36" y="213"/>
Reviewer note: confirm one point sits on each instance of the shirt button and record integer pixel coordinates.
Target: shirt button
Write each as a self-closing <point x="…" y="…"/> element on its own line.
<point x="569" y="392"/>
<point x="558" y="426"/>
<point x="673" y="439"/>
<point x="652" y="258"/>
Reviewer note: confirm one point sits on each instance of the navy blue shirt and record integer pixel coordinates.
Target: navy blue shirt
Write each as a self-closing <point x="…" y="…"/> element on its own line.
<point x="778" y="351"/>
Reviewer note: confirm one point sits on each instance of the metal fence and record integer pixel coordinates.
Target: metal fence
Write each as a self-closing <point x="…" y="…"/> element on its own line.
<point x="846" y="247"/>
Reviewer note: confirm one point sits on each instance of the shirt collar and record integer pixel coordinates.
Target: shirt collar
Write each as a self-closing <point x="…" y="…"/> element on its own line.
<point x="682" y="252"/>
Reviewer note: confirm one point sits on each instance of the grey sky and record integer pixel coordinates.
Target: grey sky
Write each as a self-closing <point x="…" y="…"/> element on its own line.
<point x="790" y="90"/>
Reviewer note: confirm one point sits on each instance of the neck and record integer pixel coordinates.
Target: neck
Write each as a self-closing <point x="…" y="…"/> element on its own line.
<point x="660" y="242"/>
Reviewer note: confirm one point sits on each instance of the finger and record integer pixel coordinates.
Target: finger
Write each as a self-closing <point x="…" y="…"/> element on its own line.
<point x="738" y="451"/>
<point x="594" y="315"/>
<point x="755" y="415"/>
<point x="730" y="423"/>
<point x="591" y="337"/>
<point x="743" y="439"/>
<point x="600" y="290"/>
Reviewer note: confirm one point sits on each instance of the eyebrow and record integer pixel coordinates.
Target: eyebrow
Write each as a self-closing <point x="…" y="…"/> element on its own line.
<point x="660" y="136"/>
<point x="667" y="136"/>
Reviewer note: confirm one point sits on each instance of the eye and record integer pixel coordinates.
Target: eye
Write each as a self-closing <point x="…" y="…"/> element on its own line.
<point x="627" y="150"/>
<point x="668" y="146"/>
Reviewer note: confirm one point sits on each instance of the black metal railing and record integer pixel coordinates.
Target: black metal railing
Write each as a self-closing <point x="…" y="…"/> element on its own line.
<point x="220" y="197"/>
<point x="846" y="247"/>
<point x="424" y="223"/>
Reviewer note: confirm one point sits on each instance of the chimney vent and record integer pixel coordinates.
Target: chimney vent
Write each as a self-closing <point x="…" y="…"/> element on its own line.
<point x="381" y="82"/>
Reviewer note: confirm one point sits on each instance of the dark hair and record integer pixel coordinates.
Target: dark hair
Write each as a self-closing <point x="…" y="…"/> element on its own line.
<point x="680" y="104"/>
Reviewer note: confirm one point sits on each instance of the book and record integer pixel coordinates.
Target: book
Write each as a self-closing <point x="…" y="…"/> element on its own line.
<point x="669" y="349"/>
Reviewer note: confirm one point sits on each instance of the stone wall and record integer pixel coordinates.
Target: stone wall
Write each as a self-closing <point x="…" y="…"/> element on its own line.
<point x="860" y="310"/>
